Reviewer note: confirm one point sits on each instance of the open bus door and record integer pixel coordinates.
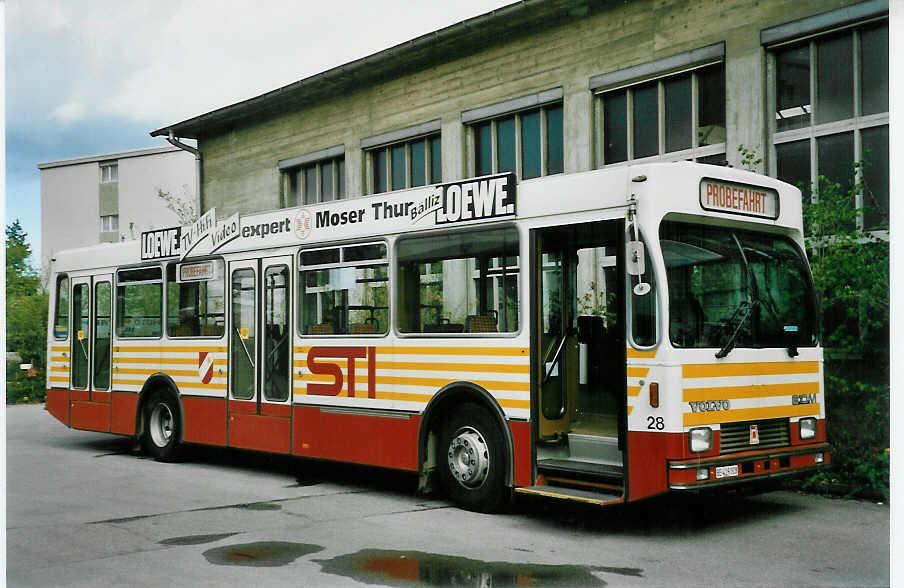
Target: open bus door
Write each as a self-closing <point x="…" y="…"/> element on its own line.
<point x="260" y="354"/>
<point x="578" y="357"/>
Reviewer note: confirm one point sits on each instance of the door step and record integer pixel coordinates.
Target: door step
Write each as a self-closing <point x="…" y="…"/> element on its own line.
<point x="582" y="468"/>
<point x="593" y="448"/>
<point x="574" y="494"/>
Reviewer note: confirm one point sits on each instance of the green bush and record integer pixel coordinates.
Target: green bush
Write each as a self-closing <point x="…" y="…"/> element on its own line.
<point x="850" y="273"/>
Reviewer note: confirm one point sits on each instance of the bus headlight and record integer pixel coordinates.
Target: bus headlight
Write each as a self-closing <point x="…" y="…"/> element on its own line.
<point x="701" y="439"/>
<point x="807" y="428"/>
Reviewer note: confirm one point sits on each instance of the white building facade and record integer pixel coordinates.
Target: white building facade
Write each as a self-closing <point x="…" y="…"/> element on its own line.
<point x="113" y="197"/>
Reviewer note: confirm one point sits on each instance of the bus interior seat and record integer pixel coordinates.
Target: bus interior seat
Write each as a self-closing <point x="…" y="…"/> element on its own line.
<point x="476" y="323"/>
<point x="320" y="329"/>
<point x="363" y="328"/>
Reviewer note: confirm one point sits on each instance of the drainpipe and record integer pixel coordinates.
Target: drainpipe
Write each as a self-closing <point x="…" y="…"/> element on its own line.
<point x="177" y="143"/>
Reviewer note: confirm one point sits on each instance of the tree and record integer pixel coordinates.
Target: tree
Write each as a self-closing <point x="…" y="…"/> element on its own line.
<point x="26" y="318"/>
<point x="850" y="268"/>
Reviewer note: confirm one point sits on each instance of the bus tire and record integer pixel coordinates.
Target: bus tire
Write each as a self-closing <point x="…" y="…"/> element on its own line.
<point x="162" y="427"/>
<point x="473" y="459"/>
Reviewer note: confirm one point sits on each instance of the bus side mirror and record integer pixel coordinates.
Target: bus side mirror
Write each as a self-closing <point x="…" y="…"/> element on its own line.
<point x="635" y="258"/>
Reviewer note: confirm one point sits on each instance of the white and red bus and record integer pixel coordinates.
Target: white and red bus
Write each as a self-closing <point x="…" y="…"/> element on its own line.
<point x="604" y="336"/>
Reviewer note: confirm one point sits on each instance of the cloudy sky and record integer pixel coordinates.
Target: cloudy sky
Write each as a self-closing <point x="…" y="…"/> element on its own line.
<point x="86" y="77"/>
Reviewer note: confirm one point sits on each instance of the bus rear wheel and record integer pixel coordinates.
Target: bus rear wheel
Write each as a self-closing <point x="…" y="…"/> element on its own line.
<point x="162" y="427"/>
<point x="473" y="459"/>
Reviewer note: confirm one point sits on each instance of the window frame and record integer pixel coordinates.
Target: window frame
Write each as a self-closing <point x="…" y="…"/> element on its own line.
<point x="56" y="303"/>
<point x="109" y="172"/>
<point x="222" y="278"/>
<point x="521" y="277"/>
<point x="813" y="131"/>
<point x="300" y="284"/>
<point x="296" y="173"/>
<point x="515" y="109"/>
<point x="695" y="152"/>
<point x="116" y="305"/>
<point x="371" y="156"/>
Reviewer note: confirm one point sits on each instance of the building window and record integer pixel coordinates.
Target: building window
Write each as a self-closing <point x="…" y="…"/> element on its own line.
<point x="529" y="143"/>
<point x="109" y="173"/>
<point x="675" y="117"/>
<point x="317" y="181"/>
<point x="830" y="98"/>
<point x="406" y="164"/>
<point x="109" y="223"/>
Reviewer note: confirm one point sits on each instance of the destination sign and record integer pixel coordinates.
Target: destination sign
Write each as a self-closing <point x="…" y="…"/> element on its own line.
<point x="736" y="198"/>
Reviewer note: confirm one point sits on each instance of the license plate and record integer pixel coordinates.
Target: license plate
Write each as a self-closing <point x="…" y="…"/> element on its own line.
<point x="726" y="471"/>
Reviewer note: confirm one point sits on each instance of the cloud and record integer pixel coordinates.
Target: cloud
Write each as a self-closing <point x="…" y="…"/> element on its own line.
<point x="69" y="112"/>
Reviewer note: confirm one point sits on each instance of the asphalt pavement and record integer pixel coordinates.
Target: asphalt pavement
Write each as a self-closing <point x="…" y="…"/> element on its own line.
<point x="84" y="510"/>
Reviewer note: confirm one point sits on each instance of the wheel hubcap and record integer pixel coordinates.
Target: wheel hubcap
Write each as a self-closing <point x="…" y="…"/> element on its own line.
<point x="469" y="458"/>
<point x="161" y="425"/>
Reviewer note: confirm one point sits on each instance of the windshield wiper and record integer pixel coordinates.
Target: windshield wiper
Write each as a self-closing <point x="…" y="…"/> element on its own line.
<point x="746" y="306"/>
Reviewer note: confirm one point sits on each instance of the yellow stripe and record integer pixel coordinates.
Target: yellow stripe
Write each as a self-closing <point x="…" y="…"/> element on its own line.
<point x="64" y="358"/>
<point x="714" y="370"/>
<point x="431" y="382"/>
<point x="141" y="372"/>
<point x="166" y="349"/>
<point x="165" y="360"/>
<point x="401" y="396"/>
<point x="58" y="379"/>
<point x="124" y="382"/>
<point x="630" y="408"/>
<point x="430" y="367"/>
<point x="692" y="419"/>
<point x="633" y="390"/>
<point x="59" y="348"/>
<point x="635" y="353"/>
<point x="494" y="351"/>
<point x="756" y="391"/>
<point x="62" y="369"/>
<point x="638" y="372"/>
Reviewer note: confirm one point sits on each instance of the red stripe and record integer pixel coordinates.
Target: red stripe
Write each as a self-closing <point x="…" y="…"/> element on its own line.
<point x="262" y="433"/>
<point x="522" y="457"/>
<point x="124" y="407"/>
<point x="58" y="404"/>
<point x="90" y="416"/>
<point x="205" y="420"/>
<point x="379" y="441"/>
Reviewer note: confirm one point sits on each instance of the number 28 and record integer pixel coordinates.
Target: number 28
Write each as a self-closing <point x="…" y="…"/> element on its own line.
<point x="655" y="423"/>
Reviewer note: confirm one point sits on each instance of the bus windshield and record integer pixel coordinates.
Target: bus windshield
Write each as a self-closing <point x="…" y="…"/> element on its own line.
<point x="736" y="288"/>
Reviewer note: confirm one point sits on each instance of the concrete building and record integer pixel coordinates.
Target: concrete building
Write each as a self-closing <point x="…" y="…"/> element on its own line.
<point x="112" y="197"/>
<point x="562" y="86"/>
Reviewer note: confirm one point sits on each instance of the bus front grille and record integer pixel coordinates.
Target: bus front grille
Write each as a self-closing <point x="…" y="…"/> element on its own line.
<point x="736" y="437"/>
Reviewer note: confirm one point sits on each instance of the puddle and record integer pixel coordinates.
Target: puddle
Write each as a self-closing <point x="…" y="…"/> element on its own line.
<point x="260" y="554"/>
<point x="407" y="568"/>
<point x="195" y="539"/>
<point x="258" y="506"/>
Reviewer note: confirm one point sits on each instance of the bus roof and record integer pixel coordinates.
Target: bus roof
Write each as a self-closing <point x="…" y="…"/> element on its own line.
<point x="659" y="189"/>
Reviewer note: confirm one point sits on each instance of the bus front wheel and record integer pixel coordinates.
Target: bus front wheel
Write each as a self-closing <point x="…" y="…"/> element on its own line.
<point x="162" y="427"/>
<point x="473" y="459"/>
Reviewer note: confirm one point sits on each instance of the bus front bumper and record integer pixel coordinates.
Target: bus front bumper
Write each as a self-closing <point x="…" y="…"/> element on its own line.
<point x="747" y="467"/>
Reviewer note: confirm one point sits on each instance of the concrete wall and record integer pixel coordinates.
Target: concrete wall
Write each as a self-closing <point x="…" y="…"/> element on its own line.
<point x="140" y="178"/>
<point x="240" y="167"/>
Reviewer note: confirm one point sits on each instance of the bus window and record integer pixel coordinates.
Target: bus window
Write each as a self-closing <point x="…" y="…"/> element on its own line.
<point x="459" y="283"/>
<point x="61" y="314"/>
<point x="195" y="308"/>
<point x="102" y="335"/>
<point x="343" y="291"/>
<point x="643" y="307"/>
<point x="81" y="308"/>
<point x="139" y="302"/>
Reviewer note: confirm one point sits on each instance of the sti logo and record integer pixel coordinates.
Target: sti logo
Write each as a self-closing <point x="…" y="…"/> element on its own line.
<point x="319" y="362"/>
